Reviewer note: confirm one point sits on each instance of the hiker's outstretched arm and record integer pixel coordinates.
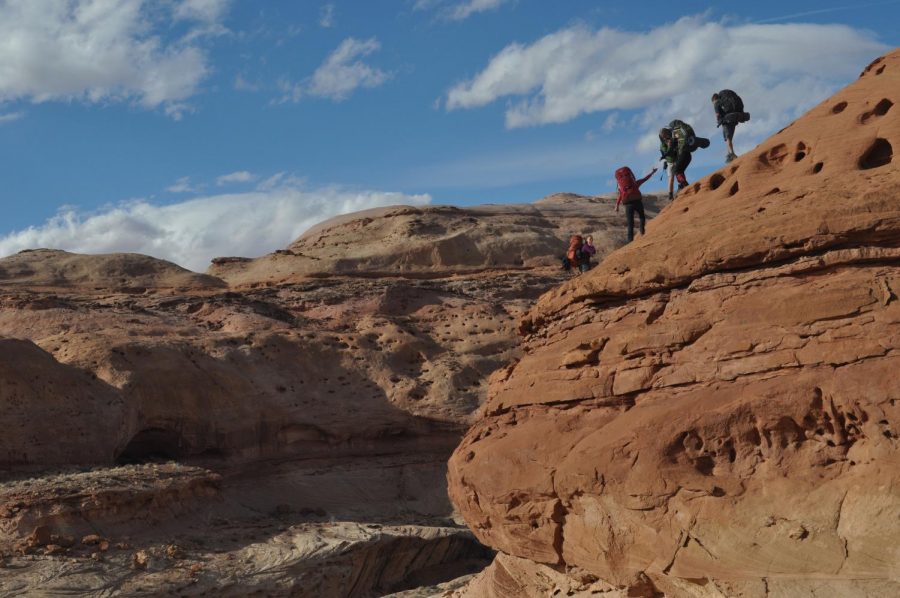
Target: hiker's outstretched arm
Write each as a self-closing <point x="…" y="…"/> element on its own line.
<point x="644" y="180"/>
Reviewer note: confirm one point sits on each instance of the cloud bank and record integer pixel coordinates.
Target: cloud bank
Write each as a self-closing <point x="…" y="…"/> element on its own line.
<point x="193" y="232"/>
<point x="779" y="70"/>
<point x="99" y="51"/>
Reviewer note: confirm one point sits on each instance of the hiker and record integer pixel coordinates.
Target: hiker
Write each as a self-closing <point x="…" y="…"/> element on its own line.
<point x="630" y="195"/>
<point x="587" y="252"/>
<point x="729" y="109"/>
<point x="676" y="144"/>
<point x="574" y="256"/>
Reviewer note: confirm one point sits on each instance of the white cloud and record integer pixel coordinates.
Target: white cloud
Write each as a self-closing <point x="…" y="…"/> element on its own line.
<point x="10" y="117"/>
<point x="327" y="16"/>
<point x="290" y="91"/>
<point x="193" y="232"/>
<point x="458" y="11"/>
<point x="182" y="185"/>
<point x="779" y="70"/>
<point x="103" y="51"/>
<point x="209" y="11"/>
<point x="241" y="176"/>
<point x="342" y="73"/>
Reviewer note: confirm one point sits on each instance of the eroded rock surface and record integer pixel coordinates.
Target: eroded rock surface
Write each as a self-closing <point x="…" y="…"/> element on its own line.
<point x="309" y="410"/>
<point x="715" y="409"/>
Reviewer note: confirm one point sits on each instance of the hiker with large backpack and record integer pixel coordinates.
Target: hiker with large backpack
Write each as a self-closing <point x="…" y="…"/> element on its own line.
<point x="630" y="195"/>
<point x="574" y="257"/>
<point x="676" y="144"/>
<point x="729" y="109"/>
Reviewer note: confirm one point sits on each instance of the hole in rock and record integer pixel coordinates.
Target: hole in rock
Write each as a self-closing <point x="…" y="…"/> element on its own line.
<point x="818" y="167"/>
<point x="839" y="107"/>
<point x="734" y="189"/>
<point x="696" y="187"/>
<point x="879" y="154"/>
<point x="880" y="109"/>
<point x="799" y="156"/>
<point x="705" y="465"/>
<point x="153" y="444"/>
<point x="880" y="70"/>
<point x="734" y="169"/>
<point x="774" y="191"/>
<point x="715" y="181"/>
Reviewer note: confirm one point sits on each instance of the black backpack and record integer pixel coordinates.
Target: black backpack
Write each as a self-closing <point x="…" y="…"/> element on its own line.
<point x="730" y="102"/>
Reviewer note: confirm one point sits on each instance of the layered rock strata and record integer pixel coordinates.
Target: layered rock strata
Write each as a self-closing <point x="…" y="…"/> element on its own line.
<point x="309" y="411"/>
<point x="715" y="409"/>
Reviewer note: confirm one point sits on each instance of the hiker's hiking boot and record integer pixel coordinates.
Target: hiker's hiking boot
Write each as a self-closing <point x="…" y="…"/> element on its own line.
<point x="730" y="157"/>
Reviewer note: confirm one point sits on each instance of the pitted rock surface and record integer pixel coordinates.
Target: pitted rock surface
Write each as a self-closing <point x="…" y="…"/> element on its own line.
<point x="715" y="409"/>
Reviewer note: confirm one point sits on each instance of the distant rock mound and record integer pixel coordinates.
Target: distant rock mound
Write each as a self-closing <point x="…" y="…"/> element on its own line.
<point x="715" y="409"/>
<point x="132" y="272"/>
<point x="436" y="241"/>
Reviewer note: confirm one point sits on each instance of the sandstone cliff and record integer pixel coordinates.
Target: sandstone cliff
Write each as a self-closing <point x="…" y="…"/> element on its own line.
<point x="715" y="409"/>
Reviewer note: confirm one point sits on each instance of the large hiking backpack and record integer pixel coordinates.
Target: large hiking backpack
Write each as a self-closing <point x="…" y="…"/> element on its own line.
<point x="627" y="184"/>
<point x="682" y="130"/>
<point x="732" y="107"/>
<point x="730" y="101"/>
<point x="574" y="253"/>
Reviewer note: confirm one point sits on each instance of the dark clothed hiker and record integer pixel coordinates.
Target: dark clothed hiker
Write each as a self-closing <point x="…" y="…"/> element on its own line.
<point x="729" y="109"/>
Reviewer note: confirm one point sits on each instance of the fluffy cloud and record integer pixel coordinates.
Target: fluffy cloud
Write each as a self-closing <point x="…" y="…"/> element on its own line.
<point x="193" y="232"/>
<point x="342" y="72"/>
<point x="458" y="11"/>
<point x="103" y="50"/>
<point x="340" y="75"/>
<point x="779" y="70"/>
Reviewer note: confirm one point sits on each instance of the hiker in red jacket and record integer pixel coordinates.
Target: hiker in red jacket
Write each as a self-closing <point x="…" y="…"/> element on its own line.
<point x="630" y="195"/>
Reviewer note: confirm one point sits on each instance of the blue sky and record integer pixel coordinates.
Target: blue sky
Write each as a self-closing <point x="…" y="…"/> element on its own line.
<point x="188" y="129"/>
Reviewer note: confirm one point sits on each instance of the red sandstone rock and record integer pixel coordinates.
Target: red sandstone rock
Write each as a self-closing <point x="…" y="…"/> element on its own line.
<point x="715" y="409"/>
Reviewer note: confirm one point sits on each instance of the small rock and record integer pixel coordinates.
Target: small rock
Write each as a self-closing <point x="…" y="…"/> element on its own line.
<point x="196" y="568"/>
<point x="103" y="546"/>
<point x="140" y="560"/>
<point x="91" y="540"/>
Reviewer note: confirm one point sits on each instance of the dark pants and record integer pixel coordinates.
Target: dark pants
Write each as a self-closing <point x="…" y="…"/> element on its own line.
<point x="682" y="161"/>
<point x="728" y="131"/>
<point x="630" y="209"/>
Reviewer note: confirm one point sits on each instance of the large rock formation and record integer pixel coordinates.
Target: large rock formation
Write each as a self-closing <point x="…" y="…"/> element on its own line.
<point x="306" y="395"/>
<point x="715" y="409"/>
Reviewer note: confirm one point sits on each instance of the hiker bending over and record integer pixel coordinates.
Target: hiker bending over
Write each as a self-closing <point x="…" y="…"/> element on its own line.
<point x="729" y="109"/>
<point x="630" y="195"/>
<point x="587" y="252"/>
<point x="676" y="144"/>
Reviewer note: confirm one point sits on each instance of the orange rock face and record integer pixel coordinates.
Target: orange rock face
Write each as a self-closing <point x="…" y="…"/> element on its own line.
<point x="715" y="409"/>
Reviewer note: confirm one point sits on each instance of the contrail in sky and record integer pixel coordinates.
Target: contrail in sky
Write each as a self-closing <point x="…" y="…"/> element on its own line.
<point x="824" y="10"/>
